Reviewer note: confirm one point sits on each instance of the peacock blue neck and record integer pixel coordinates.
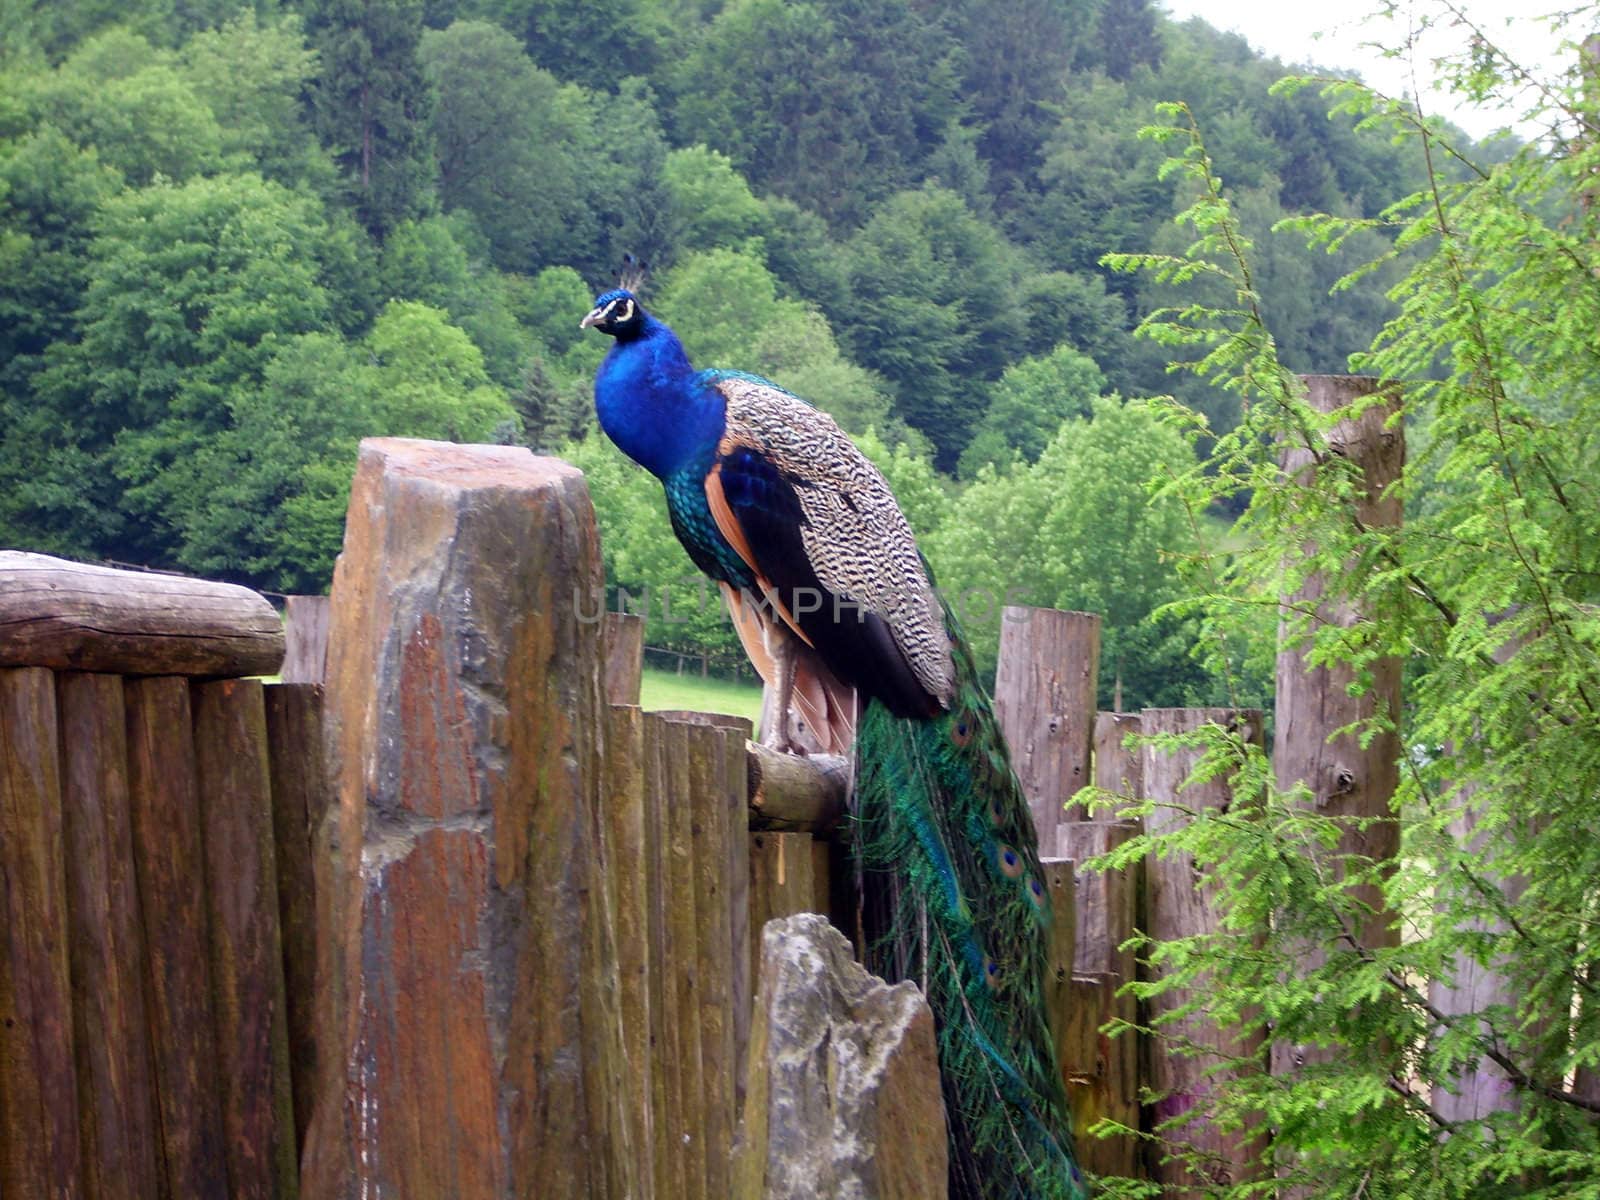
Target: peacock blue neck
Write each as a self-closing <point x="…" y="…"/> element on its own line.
<point x="646" y="397"/>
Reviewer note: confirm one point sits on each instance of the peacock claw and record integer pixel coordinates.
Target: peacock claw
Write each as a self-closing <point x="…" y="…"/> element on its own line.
<point x="780" y="741"/>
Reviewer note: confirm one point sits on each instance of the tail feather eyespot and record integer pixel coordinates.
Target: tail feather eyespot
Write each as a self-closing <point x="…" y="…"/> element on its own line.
<point x="1009" y="861"/>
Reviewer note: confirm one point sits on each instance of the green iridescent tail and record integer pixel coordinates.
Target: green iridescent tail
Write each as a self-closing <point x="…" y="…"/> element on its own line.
<point x="953" y="899"/>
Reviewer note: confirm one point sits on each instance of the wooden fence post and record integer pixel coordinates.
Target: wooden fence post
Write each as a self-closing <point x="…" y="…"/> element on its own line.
<point x="624" y="657"/>
<point x="116" y="1091"/>
<point x="1102" y="1072"/>
<point x="1349" y="782"/>
<point x="305" y="636"/>
<point x="466" y="716"/>
<point x="241" y="889"/>
<point x="301" y="795"/>
<point x="39" y="1155"/>
<point x="1176" y="907"/>
<point x="1044" y="697"/>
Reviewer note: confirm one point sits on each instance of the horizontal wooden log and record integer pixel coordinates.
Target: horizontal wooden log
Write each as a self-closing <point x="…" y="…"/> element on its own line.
<point x="796" y="792"/>
<point x="75" y="617"/>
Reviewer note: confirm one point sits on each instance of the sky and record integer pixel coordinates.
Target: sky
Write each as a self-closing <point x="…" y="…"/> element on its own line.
<point x="1290" y="30"/>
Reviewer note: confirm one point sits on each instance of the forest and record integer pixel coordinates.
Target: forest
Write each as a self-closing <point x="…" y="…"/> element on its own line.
<point x="235" y="239"/>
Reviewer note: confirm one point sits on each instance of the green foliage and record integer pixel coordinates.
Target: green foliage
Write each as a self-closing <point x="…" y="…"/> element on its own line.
<point x="933" y="309"/>
<point x="883" y="205"/>
<point x="710" y="203"/>
<point x="1488" y="594"/>
<point x="124" y="98"/>
<point x="511" y="144"/>
<point x="252" y="75"/>
<point x="594" y="50"/>
<point x="1079" y="530"/>
<point x="831" y="104"/>
<point x="371" y="106"/>
<point x="1030" y="402"/>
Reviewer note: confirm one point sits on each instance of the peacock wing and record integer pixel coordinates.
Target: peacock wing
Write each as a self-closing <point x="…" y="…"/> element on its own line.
<point x="818" y="526"/>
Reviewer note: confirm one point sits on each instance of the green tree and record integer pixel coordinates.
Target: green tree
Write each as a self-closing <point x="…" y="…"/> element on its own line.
<point x="1129" y="36"/>
<point x="1030" y="401"/>
<point x="190" y="287"/>
<point x="1489" y="594"/>
<point x="429" y="260"/>
<point x="1018" y="57"/>
<point x="597" y="52"/>
<point x="831" y="103"/>
<point x="252" y="75"/>
<point x="510" y="139"/>
<point x="50" y="191"/>
<point x="711" y="203"/>
<point x="371" y="106"/>
<point x="123" y="97"/>
<point x="1079" y="529"/>
<point x="933" y="309"/>
<point x="431" y="378"/>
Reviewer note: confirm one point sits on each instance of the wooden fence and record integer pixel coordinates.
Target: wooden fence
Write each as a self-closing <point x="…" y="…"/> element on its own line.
<point x="463" y="921"/>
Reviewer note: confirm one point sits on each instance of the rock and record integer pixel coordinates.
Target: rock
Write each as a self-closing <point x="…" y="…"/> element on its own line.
<point x="843" y="1089"/>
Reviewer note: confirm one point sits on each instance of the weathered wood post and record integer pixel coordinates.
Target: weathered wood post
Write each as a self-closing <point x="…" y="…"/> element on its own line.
<point x="1176" y="906"/>
<point x="1103" y="1071"/>
<point x="624" y="657"/>
<point x="481" y="1046"/>
<point x="38" y="1097"/>
<point x="116" y="1089"/>
<point x="305" y="629"/>
<point x="1044" y="697"/>
<point x="1350" y="781"/>
<point x="142" y="1044"/>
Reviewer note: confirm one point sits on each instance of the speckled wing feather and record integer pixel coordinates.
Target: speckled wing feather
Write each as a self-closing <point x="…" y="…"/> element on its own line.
<point x="795" y="485"/>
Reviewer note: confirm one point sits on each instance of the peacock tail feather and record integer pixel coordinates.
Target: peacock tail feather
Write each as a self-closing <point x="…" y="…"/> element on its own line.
<point x="953" y="898"/>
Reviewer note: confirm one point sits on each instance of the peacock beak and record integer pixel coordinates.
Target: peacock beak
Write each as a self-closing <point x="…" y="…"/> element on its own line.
<point x="594" y="318"/>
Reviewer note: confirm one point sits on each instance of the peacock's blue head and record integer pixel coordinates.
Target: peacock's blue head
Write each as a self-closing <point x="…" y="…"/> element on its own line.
<point x="618" y="313"/>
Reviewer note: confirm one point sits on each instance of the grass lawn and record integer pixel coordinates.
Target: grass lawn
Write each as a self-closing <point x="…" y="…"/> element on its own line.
<point x="666" y="689"/>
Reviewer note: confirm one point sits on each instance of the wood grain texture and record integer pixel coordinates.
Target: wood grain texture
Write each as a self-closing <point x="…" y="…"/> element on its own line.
<point x="1067" y="1021"/>
<point x="168" y="858"/>
<point x="629" y="884"/>
<point x="1349" y="782"/>
<point x="682" y="957"/>
<point x="301" y="795"/>
<point x="1104" y="1076"/>
<point x="305" y="632"/>
<point x="669" y="1164"/>
<point x="624" y="642"/>
<point x="39" y="1136"/>
<point x="796" y="792"/>
<point x="116" y="1089"/>
<point x="1178" y="905"/>
<point x="783" y="881"/>
<point x="241" y="887"/>
<point x="1116" y="764"/>
<point x="76" y="617"/>
<point x="1044" y="697"/>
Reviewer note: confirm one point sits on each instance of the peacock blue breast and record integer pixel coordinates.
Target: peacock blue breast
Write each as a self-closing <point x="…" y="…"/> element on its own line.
<point x="697" y="529"/>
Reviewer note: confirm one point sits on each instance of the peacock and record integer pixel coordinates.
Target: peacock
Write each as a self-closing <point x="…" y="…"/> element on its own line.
<point x="838" y="611"/>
